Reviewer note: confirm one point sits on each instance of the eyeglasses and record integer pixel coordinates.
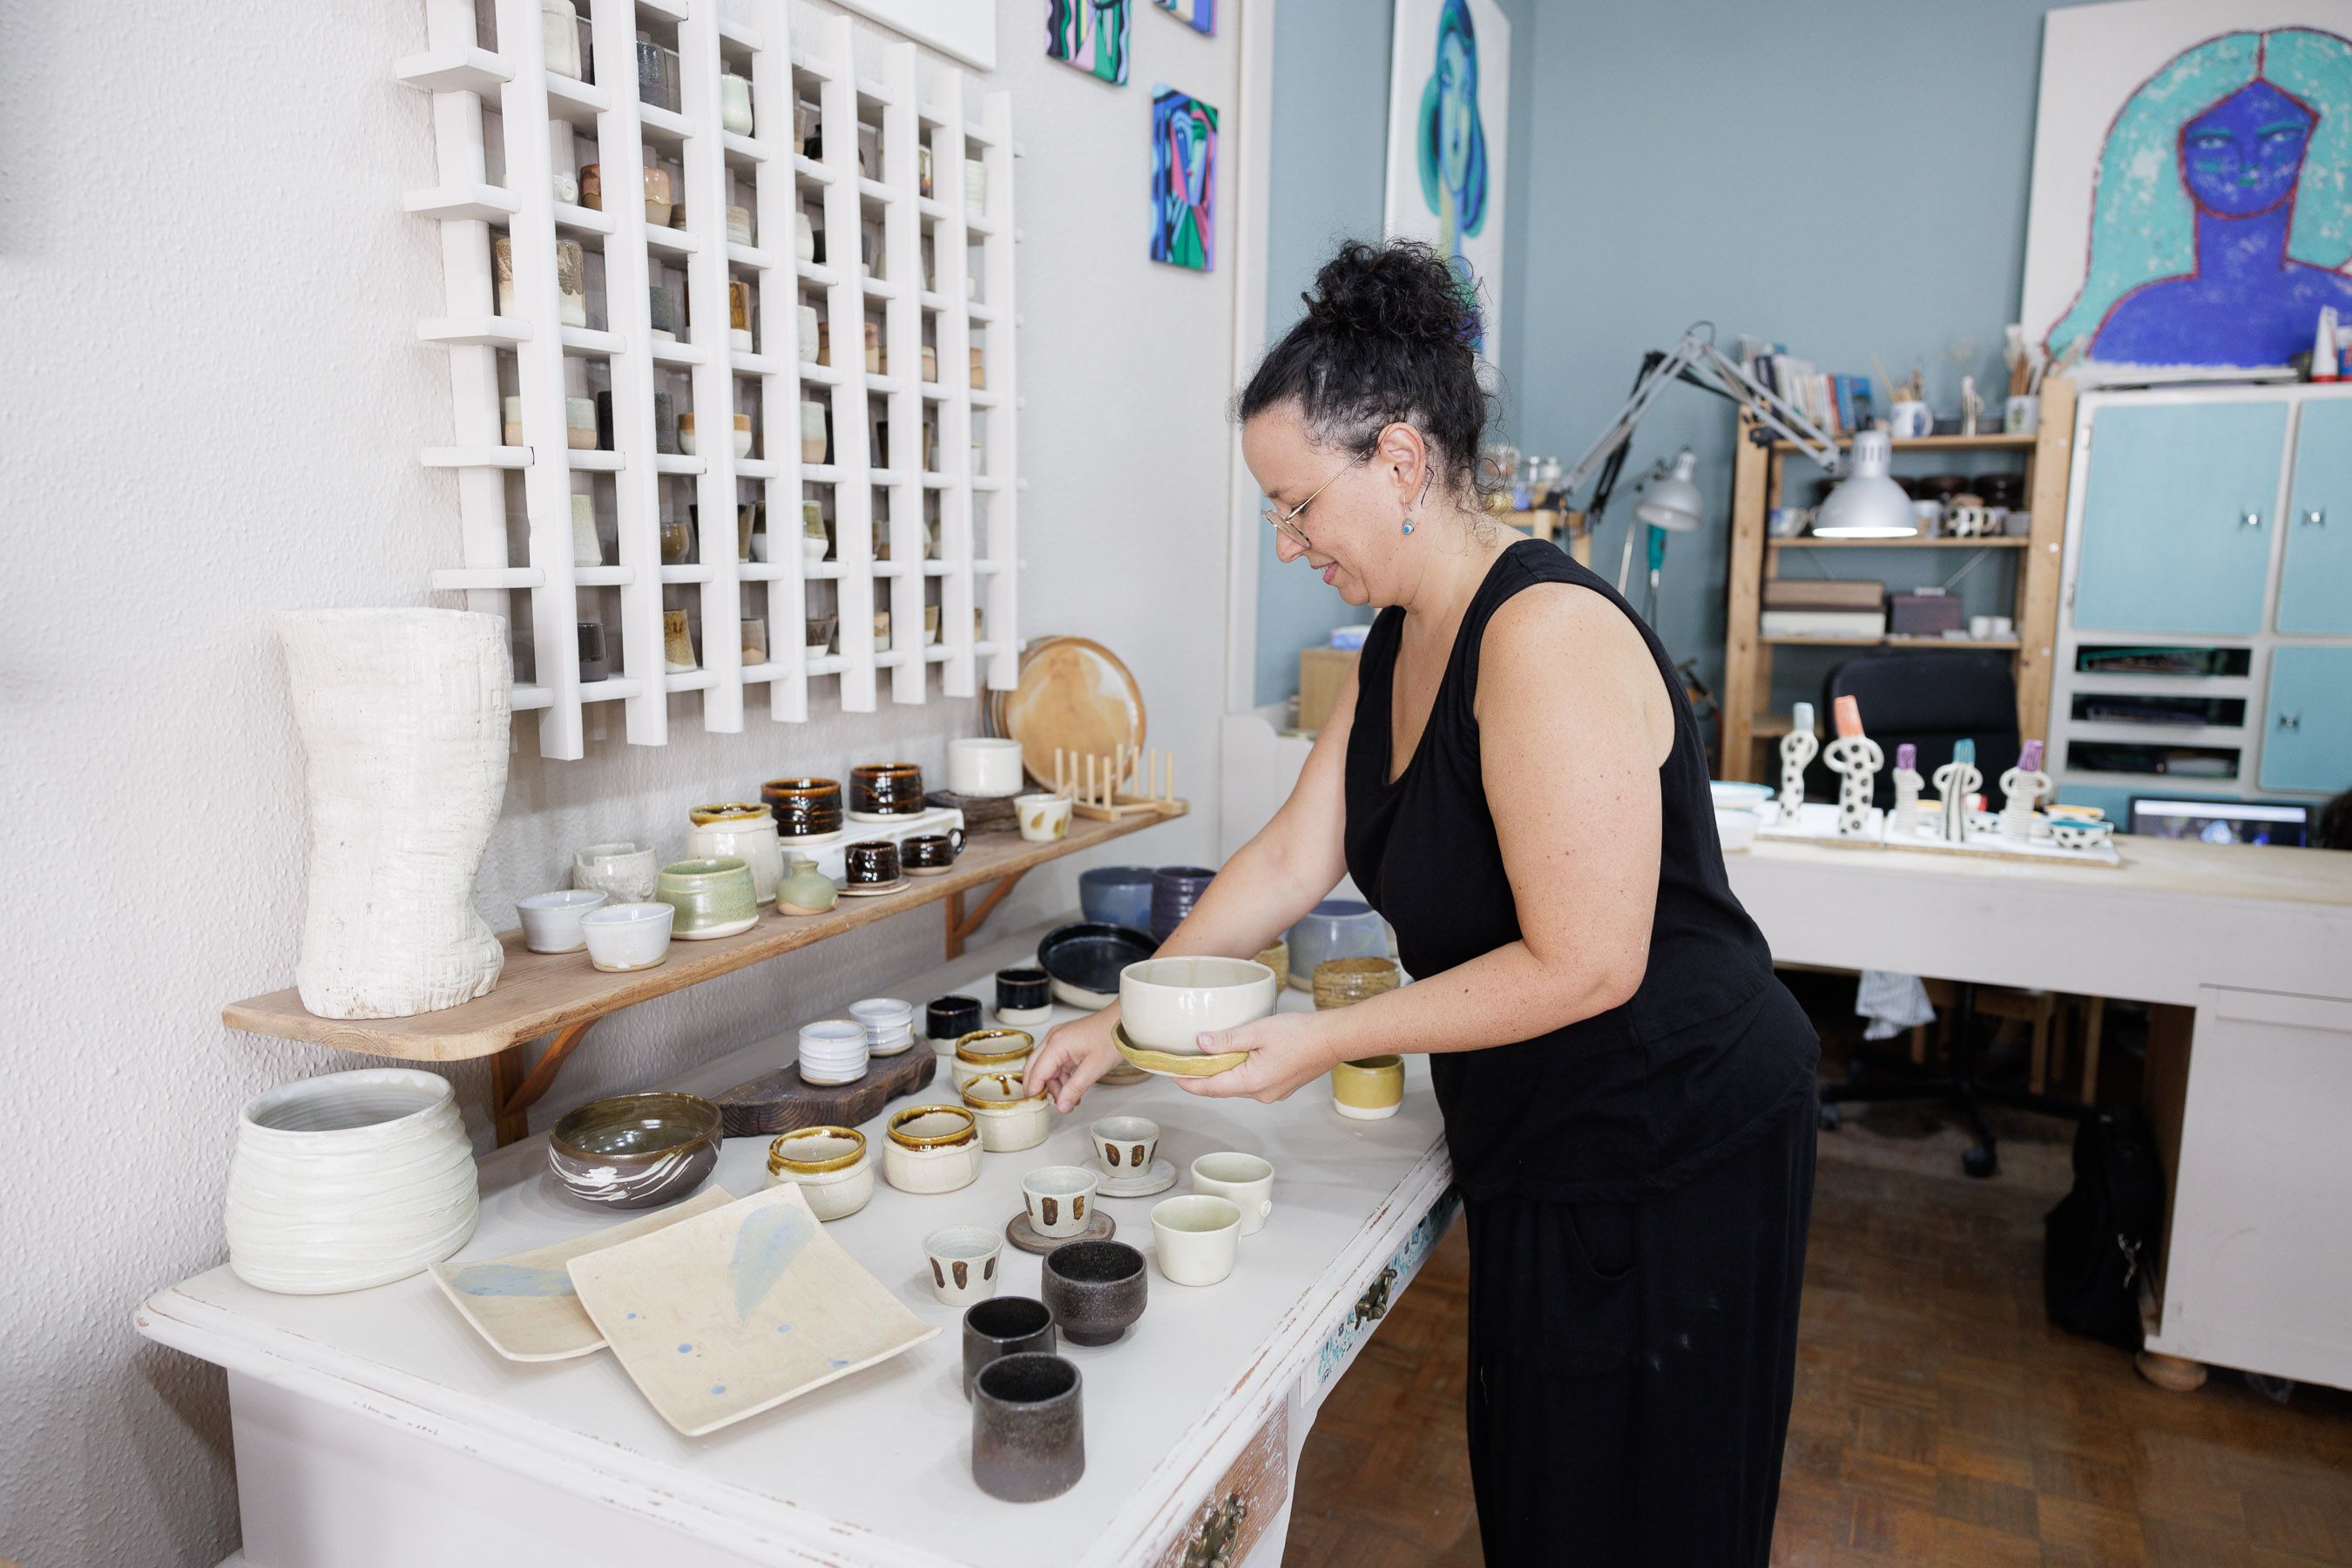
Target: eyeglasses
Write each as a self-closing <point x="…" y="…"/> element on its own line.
<point x="1287" y="521"/>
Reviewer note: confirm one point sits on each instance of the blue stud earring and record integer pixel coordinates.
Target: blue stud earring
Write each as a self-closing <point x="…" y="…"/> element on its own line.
<point x="1408" y="522"/>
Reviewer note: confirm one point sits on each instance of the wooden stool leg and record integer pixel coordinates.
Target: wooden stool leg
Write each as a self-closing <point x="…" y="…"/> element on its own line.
<point x="2036" y="1073"/>
<point x="2094" y="1017"/>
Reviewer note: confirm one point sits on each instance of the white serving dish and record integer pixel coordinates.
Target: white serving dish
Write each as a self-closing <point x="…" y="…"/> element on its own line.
<point x="1166" y="1003"/>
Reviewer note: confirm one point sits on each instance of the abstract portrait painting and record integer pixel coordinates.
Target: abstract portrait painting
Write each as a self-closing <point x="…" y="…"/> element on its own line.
<point x="1200" y="15"/>
<point x="1091" y="34"/>
<point x="1449" y="107"/>
<point x="2192" y="182"/>
<point x="1184" y="180"/>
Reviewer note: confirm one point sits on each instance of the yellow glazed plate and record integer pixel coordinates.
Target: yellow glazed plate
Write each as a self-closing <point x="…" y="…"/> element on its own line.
<point x="1166" y="1064"/>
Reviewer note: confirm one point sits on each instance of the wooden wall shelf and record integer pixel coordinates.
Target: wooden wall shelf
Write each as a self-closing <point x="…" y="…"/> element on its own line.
<point x="562" y="995"/>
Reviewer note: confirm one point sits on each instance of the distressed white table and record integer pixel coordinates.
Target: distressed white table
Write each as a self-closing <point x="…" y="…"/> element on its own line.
<point x="375" y="1429"/>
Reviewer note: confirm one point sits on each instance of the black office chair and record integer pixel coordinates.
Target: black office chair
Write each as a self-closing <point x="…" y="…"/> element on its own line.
<point x="1930" y="700"/>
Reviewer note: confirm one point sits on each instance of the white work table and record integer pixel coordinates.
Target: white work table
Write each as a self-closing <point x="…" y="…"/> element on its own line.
<point x="2249" y="1082"/>
<point x="375" y="1427"/>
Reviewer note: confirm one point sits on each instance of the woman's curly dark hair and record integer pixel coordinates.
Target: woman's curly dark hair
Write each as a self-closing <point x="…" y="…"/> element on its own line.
<point x="1387" y="338"/>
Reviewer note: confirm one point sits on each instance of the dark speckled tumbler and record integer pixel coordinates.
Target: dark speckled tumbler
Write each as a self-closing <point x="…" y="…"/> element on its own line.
<point x="1028" y="1432"/>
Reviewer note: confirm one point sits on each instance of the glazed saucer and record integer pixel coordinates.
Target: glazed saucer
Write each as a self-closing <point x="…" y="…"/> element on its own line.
<point x="1167" y="1064"/>
<point x="872" y="889"/>
<point x="928" y="871"/>
<point x="1023" y="1234"/>
<point x="1158" y="1178"/>
<point x="883" y="818"/>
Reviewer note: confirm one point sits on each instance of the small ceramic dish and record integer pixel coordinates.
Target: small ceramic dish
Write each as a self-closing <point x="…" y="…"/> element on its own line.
<point x="1344" y="982"/>
<point x="1156" y="1177"/>
<point x="1163" y="1064"/>
<point x="963" y="1263"/>
<point x="1094" y="1290"/>
<point x="1369" y="1089"/>
<point x="991" y="1051"/>
<point x="876" y="891"/>
<point x="635" y="1150"/>
<point x="830" y="1165"/>
<point x="551" y="922"/>
<point x="931" y="1149"/>
<point x="1197" y="1236"/>
<point x="1043" y="818"/>
<point x="1100" y="1226"/>
<point x="1011" y="1117"/>
<point x="714" y="898"/>
<point x="621" y="937"/>
<point x="1167" y="1004"/>
<point x="1024" y="997"/>
<point x="1125" y="1145"/>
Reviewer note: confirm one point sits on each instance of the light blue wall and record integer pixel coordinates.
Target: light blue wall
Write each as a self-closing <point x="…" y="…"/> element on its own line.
<point x="1329" y="160"/>
<point x="1846" y="176"/>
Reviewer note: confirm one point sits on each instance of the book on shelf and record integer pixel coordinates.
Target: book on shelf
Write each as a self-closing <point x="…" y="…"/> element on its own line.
<point x="1823" y="593"/>
<point x="1823" y="623"/>
<point x="1840" y="404"/>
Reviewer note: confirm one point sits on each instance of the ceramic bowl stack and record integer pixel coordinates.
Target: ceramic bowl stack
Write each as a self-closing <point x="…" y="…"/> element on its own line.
<point x="889" y="1024"/>
<point x="1344" y="982"/>
<point x="1174" y="890"/>
<point x="833" y="1050"/>
<point x="348" y="1180"/>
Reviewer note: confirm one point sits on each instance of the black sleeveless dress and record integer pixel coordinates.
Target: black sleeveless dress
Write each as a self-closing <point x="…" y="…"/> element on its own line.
<point x="1635" y="1184"/>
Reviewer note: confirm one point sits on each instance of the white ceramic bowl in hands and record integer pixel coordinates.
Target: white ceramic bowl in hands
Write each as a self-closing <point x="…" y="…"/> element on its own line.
<point x="1165" y="1003"/>
<point x="348" y="1180"/>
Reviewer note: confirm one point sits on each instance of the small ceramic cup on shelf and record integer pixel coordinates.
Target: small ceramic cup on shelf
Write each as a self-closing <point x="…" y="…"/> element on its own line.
<point x="678" y="643"/>
<point x="738" y="225"/>
<point x="985" y="766"/>
<point x="833" y="1051"/>
<point x="930" y="854"/>
<point x="735" y="103"/>
<point x="1043" y="818"/>
<point x="1058" y="1199"/>
<point x="989" y="1051"/>
<point x="871" y="863"/>
<point x="626" y="871"/>
<point x="830" y="1166"/>
<point x="1003" y="1326"/>
<point x="743" y="421"/>
<point x="1125" y="1145"/>
<point x="1028" y="1427"/>
<point x="886" y="789"/>
<point x="931" y="1149"/>
<point x="624" y="937"/>
<point x="713" y="897"/>
<point x="1243" y="1180"/>
<point x="813" y="433"/>
<point x="1369" y="1089"/>
<point x="1024" y="997"/>
<point x="1197" y="1237"/>
<point x="963" y="1263"/>
<point x="660" y="193"/>
<point x="551" y="922"/>
<point x="1012" y="1116"/>
<point x="803" y="807"/>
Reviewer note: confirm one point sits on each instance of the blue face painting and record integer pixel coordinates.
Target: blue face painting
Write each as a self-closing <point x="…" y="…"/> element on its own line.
<point x="2244" y="155"/>
<point x="1457" y="110"/>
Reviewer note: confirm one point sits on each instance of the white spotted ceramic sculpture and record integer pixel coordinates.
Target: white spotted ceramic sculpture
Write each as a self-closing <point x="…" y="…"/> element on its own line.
<point x="1855" y="758"/>
<point x="1797" y="749"/>
<point x="403" y="718"/>
<point x="1908" y="817"/>
<point x="1958" y="781"/>
<point x="2022" y="788"/>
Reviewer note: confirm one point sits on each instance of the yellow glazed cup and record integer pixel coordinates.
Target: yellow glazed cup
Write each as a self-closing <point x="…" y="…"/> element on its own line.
<point x="1369" y="1089"/>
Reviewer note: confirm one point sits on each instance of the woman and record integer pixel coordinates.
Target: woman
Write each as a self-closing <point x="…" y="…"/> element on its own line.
<point x="1514" y="780"/>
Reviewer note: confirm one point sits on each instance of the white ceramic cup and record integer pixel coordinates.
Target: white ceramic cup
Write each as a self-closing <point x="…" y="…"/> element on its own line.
<point x="1045" y="818"/>
<point x="963" y="1263"/>
<point x="1060" y="1199"/>
<point x="833" y="1050"/>
<point x="1198" y="1237"/>
<point x="1243" y="1180"/>
<point x="1166" y="1003"/>
<point x="1125" y="1145"/>
<point x="551" y="922"/>
<point x="621" y="937"/>
<point x="985" y="767"/>
<point x="630" y="872"/>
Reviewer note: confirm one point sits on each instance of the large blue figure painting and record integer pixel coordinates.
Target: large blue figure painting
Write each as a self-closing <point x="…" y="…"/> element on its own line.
<point x="2221" y="215"/>
<point x="1449" y="68"/>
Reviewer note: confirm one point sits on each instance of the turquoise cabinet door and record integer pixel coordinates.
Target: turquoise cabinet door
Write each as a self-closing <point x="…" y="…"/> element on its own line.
<point x="2167" y="546"/>
<point x="2307" y="723"/>
<point x="2315" y="590"/>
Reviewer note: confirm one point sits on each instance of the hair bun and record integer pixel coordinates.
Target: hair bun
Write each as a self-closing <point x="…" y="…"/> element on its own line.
<point x="1403" y="290"/>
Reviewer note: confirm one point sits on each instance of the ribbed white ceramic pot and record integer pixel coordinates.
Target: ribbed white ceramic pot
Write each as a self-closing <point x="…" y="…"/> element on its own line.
<point x="348" y="1180"/>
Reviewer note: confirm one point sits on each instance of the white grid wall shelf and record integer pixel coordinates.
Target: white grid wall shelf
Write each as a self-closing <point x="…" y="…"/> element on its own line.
<point x="584" y="326"/>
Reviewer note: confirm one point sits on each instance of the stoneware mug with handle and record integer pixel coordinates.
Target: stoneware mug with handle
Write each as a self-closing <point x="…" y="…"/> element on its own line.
<point x="1243" y="1180"/>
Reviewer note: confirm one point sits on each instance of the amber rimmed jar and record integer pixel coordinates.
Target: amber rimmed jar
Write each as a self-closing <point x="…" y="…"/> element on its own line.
<point x="886" y="789"/>
<point x="828" y="1163"/>
<point x="803" y="808"/>
<point x="931" y="1149"/>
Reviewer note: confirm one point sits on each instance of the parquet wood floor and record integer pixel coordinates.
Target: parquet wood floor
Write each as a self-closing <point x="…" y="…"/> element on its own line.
<point x="1938" y="1419"/>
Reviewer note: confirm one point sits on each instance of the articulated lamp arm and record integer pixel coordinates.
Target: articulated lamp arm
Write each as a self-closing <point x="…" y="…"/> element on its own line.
<point x="1698" y="360"/>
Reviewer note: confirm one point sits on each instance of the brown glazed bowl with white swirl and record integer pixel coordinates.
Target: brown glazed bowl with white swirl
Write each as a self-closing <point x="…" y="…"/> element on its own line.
<point x="635" y="1151"/>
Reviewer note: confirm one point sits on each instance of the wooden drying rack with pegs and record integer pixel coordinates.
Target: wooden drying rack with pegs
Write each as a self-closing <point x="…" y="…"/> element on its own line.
<point x="1101" y="787"/>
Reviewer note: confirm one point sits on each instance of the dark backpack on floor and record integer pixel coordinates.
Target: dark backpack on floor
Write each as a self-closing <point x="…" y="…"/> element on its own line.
<point x="2101" y="1239"/>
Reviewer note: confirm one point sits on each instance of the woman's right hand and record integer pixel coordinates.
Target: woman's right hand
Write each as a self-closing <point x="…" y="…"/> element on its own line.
<point x="1073" y="1056"/>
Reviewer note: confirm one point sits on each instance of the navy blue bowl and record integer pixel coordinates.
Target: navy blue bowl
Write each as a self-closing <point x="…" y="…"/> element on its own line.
<point x="1117" y="895"/>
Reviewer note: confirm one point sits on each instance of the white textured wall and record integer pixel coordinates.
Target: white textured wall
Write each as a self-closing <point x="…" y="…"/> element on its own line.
<point x="210" y="410"/>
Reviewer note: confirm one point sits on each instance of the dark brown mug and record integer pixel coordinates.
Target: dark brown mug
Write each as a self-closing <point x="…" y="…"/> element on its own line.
<point x="886" y="789"/>
<point x="931" y="851"/>
<point x="870" y="863"/>
<point x="803" y="807"/>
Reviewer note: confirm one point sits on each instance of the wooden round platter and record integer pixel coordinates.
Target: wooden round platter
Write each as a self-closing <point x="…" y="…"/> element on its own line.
<point x="1073" y="695"/>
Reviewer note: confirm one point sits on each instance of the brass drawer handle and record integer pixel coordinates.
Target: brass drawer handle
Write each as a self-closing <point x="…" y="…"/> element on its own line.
<point x="1220" y="1532"/>
<point x="1373" y="1304"/>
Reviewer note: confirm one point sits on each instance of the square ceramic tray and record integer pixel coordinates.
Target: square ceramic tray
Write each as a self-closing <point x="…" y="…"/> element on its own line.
<point x="737" y="1310"/>
<point x="525" y="1305"/>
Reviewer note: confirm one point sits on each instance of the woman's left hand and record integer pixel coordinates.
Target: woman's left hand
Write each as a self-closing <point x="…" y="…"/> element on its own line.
<point x="1286" y="1051"/>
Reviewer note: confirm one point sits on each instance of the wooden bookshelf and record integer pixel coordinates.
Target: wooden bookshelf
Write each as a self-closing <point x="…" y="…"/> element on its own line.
<point x="1748" y="721"/>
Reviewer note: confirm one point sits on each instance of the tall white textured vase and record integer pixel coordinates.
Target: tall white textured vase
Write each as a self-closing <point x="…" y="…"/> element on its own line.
<point x="404" y="716"/>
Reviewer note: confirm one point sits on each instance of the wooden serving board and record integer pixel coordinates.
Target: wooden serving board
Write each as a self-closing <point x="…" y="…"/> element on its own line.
<point x="779" y="1102"/>
<point x="982" y="813"/>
